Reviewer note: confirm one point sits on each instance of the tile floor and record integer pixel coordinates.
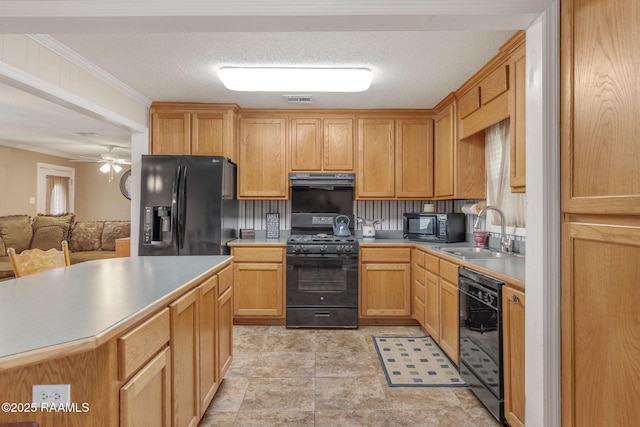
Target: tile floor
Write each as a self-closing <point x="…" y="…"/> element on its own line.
<point x="317" y="377"/>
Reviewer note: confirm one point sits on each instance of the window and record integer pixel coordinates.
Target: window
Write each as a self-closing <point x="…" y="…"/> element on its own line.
<point x="55" y="189"/>
<point x="498" y="186"/>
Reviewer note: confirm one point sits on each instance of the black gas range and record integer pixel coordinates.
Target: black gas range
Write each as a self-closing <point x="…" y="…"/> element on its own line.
<point x="322" y="268"/>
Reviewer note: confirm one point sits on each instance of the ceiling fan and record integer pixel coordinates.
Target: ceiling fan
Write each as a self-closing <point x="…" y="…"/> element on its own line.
<point x="110" y="162"/>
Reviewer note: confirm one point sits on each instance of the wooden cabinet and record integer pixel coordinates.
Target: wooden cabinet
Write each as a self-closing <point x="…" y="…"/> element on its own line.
<point x="418" y="291"/>
<point x="395" y="158"/>
<point x="146" y="398"/>
<point x="484" y="99"/>
<point x="262" y="165"/>
<point x="600" y="189"/>
<point x="385" y="282"/>
<point x="259" y="282"/>
<point x="459" y="165"/>
<point x="224" y="319"/>
<point x="432" y="305"/>
<point x="445" y="137"/>
<point x="449" y="338"/>
<point x="376" y="159"/>
<point x="143" y="353"/>
<point x="321" y="144"/>
<point x="414" y="159"/>
<point x="194" y="129"/>
<point x="513" y="321"/>
<point x="517" y="114"/>
<point x="208" y="375"/>
<point x="201" y="342"/>
<point x="441" y="317"/>
<point x="185" y="358"/>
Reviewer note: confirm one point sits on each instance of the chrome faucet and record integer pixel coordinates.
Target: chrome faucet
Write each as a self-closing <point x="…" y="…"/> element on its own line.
<point x="505" y="241"/>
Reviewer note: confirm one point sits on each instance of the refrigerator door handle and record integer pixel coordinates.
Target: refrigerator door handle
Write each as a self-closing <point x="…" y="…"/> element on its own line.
<point x="174" y="205"/>
<point x="182" y="207"/>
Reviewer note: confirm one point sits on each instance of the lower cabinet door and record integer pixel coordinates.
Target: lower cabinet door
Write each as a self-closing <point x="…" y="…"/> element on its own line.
<point x="225" y="332"/>
<point x="259" y="290"/>
<point x="513" y="320"/>
<point x="209" y="381"/>
<point x="385" y="290"/>
<point x="432" y="305"/>
<point x="185" y="360"/>
<point x="146" y="399"/>
<point x="449" y="330"/>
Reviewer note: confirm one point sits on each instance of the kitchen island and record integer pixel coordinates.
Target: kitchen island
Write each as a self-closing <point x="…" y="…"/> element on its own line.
<point x="124" y="333"/>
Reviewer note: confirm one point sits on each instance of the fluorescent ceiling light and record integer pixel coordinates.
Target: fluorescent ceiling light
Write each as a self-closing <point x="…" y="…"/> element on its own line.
<point x="296" y="79"/>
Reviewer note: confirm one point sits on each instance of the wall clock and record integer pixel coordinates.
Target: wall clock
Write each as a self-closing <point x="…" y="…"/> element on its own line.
<point x="125" y="184"/>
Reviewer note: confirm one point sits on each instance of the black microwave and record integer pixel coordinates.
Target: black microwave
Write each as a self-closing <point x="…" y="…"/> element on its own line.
<point x="434" y="227"/>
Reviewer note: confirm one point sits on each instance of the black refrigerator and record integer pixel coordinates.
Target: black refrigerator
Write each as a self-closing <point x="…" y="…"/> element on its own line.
<point x="189" y="205"/>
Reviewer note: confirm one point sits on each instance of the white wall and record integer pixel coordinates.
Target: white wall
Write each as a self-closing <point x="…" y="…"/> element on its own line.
<point x="542" y="331"/>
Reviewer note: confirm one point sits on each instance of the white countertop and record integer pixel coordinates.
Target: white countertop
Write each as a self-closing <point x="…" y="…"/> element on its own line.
<point x="85" y="301"/>
<point x="504" y="268"/>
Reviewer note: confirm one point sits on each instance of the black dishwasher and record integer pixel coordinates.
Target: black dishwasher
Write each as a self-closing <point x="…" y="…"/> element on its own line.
<point x="481" y="338"/>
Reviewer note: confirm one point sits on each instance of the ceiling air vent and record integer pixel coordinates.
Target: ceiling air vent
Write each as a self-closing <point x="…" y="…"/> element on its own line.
<point x="298" y="99"/>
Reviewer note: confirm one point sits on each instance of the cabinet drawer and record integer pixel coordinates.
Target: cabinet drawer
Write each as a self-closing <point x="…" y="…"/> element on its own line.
<point x="138" y="346"/>
<point x="494" y="84"/>
<point x="258" y="254"/>
<point x="385" y="255"/>
<point x="225" y="279"/>
<point x="449" y="271"/>
<point x="418" y="257"/>
<point x="418" y="290"/>
<point x="417" y="273"/>
<point x="432" y="263"/>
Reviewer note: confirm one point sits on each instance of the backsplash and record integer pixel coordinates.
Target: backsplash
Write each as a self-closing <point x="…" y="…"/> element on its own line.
<point x="252" y="212"/>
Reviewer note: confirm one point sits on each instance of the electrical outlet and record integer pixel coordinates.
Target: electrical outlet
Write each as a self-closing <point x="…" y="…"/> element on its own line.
<point x="51" y="394"/>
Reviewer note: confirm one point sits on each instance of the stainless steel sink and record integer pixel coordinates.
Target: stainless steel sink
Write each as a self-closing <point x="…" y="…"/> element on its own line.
<point x="466" y="252"/>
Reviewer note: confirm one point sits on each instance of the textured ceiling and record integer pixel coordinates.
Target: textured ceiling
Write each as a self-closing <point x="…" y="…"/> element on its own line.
<point x="418" y="50"/>
<point x="411" y="69"/>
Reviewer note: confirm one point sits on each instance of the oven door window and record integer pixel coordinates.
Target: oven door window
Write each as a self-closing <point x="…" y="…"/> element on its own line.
<point x="322" y="281"/>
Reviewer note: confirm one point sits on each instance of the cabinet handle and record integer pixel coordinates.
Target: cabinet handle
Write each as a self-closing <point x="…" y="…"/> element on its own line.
<point x="515" y="298"/>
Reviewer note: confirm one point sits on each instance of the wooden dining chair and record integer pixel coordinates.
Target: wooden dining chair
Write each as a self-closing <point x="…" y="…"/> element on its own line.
<point x="33" y="261"/>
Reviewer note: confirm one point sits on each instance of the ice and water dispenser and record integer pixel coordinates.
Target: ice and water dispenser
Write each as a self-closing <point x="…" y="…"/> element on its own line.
<point x="157" y="225"/>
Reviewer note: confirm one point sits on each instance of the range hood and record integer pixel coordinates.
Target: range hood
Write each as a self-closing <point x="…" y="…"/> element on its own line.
<point x="322" y="179"/>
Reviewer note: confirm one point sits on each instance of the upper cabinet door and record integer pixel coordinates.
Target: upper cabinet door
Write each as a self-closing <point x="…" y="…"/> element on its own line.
<point x="601" y="107"/>
<point x="207" y="137"/>
<point x="376" y="159"/>
<point x="321" y="144"/>
<point x="170" y="133"/>
<point x="414" y="159"/>
<point x="338" y="145"/>
<point x="445" y="135"/>
<point x="262" y="171"/>
<point x="517" y="113"/>
<point x="306" y="145"/>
